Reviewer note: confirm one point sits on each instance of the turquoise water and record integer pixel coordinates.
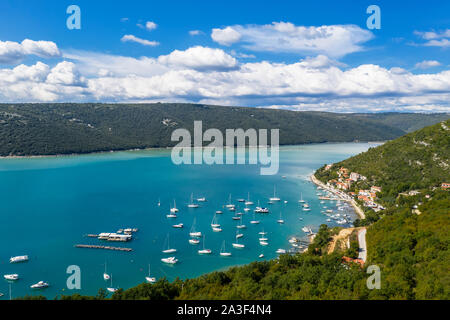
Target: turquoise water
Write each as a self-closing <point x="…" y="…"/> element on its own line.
<point x="47" y="205"/>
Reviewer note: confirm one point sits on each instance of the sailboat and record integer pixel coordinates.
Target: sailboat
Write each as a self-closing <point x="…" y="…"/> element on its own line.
<point x="274" y="198"/>
<point x="248" y="202"/>
<point x="254" y="221"/>
<point x="169" y="250"/>
<point x="106" y="276"/>
<point x="149" y="278"/>
<point x="172" y="214"/>
<point x="204" y="251"/>
<point x="174" y="209"/>
<point x="170" y="260"/>
<point x="240" y="225"/>
<point x="301" y="198"/>
<point x="214" y="223"/>
<point x="193" y="233"/>
<point x="224" y="253"/>
<point x="192" y="204"/>
<point x="112" y="289"/>
<point x="280" y="221"/>
<point x="238" y="245"/>
<point x="230" y="205"/>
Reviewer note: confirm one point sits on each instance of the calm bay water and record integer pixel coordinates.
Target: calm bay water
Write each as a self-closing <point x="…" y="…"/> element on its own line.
<point x="47" y="205"/>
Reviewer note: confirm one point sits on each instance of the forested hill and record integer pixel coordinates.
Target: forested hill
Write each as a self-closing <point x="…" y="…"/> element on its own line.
<point x="46" y="129"/>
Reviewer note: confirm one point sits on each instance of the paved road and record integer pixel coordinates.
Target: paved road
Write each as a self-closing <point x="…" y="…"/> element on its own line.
<point x="362" y="245"/>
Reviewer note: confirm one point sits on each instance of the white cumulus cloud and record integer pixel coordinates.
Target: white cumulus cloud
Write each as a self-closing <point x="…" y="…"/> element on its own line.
<point x="200" y="58"/>
<point x="331" y="40"/>
<point x="13" y="52"/>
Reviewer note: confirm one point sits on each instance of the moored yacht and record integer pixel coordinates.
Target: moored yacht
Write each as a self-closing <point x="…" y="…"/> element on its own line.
<point x="204" y="251"/>
<point x="40" y="285"/>
<point x="170" y="260"/>
<point x="169" y="250"/>
<point x="274" y="198"/>
<point x="178" y="226"/>
<point x="18" y="259"/>
<point x="223" y="251"/>
<point x="149" y="278"/>
<point x="11" y="277"/>
<point x="192" y="204"/>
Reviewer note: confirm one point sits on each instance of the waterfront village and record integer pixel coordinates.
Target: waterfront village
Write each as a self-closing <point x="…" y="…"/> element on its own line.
<point x="344" y="182"/>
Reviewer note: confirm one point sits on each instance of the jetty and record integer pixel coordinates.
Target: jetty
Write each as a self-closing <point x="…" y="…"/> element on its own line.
<point x="90" y="246"/>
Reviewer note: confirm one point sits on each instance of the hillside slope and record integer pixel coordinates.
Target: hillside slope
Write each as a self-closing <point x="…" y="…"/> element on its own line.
<point x="45" y="129"/>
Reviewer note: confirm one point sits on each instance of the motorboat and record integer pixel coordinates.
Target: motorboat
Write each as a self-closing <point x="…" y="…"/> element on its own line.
<point x="11" y="277"/>
<point x="40" y="285"/>
<point x="18" y="259"/>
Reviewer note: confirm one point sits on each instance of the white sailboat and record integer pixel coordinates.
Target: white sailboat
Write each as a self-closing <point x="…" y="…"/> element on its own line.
<point x="223" y="251"/>
<point x="281" y="251"/>
<point x="241" y="225"/>
<point x="178" y="226"/>
<point x="193" y="233"/>
<point x="194" y="241"/>
<point x="254" y="221"/>
<point x="192" y="204"/>
<point x="274" y="198"/>
<point x="230" y="205"/>
<point x="174" y="209"/>
<point x="280" y="221"/>
<point x="204" y="251"/>
<point x="149" y="278"/>
<point x="112" y="289"/>
<point x="169" y="250"/>
<point x="238" y="245"/>
<point x="106" y="276"/>
<point x="214" y="223"/>
<point x="301" y="198"/>
<point x="248" y="202"/>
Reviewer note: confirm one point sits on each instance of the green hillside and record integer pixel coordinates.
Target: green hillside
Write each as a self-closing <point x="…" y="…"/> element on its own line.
<point x="45" y="129"/>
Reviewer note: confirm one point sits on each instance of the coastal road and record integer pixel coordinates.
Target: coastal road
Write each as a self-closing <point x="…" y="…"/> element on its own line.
<point x="362" y="245"/>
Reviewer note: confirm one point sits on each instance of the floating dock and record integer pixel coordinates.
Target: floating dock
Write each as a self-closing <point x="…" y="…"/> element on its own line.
<point x="90" y="246"/>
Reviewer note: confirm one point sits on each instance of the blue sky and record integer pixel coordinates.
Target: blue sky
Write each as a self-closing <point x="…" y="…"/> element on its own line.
<point x="300" y="55"/>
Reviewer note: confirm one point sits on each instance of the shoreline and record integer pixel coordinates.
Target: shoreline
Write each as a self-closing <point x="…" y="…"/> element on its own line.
<point x="357" y="208"/>
<point x="62" y="155"/>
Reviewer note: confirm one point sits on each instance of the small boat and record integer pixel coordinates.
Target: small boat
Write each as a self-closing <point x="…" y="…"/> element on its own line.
<point x="170" y="260"/>
<point x="203" y="199"/>
<point x="192" y="204"/>
<point x="194" y="241"/>
<point x="174" y="209"/>
<point x="217" y="229"/>
<point x="254" y="221"/>
<point x="247" y="209"/>
<point x="193" y="233"/>
<point x="178" y="226"/>
<point x="105" y="274"/>
<point x="329" y="211"/>
<point x="240" y="225"/>
<point x="264" y="243"/>
<point x="261" y="210"/>
<point x="40" y="285"/>
<point x="274" y="198"/>
<point x="223" y="251"/>
<point x="248" y="202"/>
<point x="241" y="200"/>
<point x="219" y="212"/>
<point x="171" y="216"/>
<point x="280" y="221"/>
<point x="236" y="218"/>
<point x="214" y="223"/>
<point x="169" y="250"/>
<point x="263" y="239"/>
<point x="238" y="245"/>
<point x="11" y="277"/>
<point x="230" y="205"/>
<point x="159" y="202"/>
<point x="239" y="214"/>
<point x="262" y="233"/>
<point x="204" y="251"/>
<point x="301" y="198"/>
<point x="306" y="230"/>
<point x="293" y="240"/>
<point x="112" y="289"/>
<point x="285" y="201"/>
<point x="232" y="209"/>
<point x="149" y="278"/>
<point x="281" y="251"/>
<point x="18" y="259"/>
<point x="261" y="256"/>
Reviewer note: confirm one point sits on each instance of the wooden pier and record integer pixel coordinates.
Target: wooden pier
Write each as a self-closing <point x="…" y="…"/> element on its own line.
<point x="90" y="246"/>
